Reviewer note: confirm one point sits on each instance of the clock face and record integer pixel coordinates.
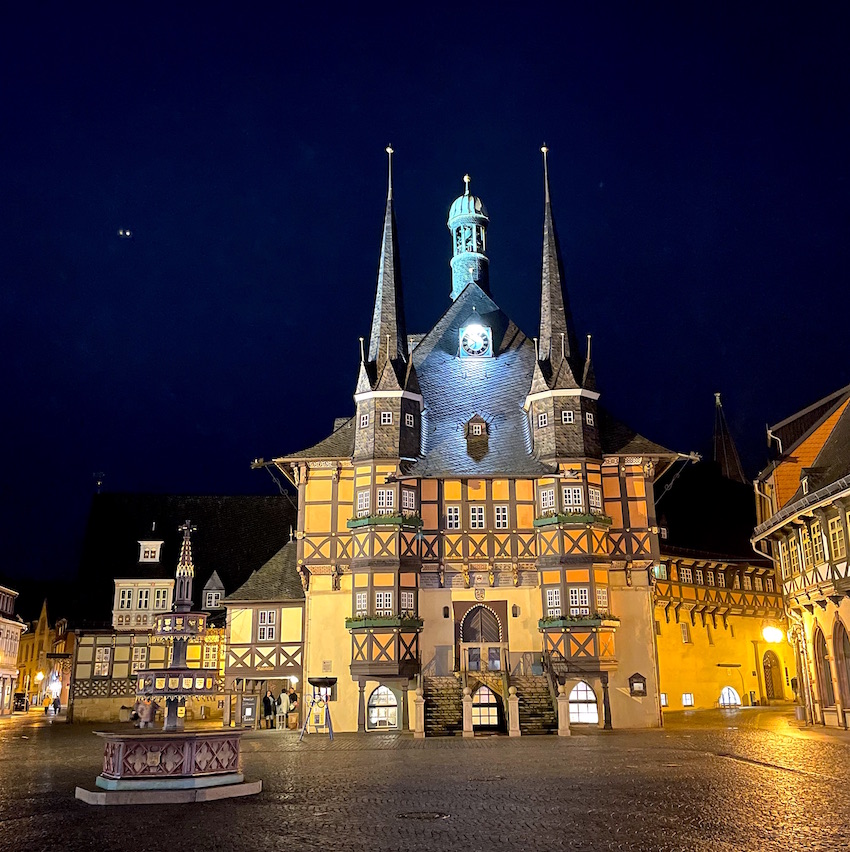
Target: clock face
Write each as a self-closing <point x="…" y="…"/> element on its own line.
<point x="475" y="342"/>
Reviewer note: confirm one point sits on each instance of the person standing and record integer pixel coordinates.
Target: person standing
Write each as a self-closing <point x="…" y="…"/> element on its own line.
<point x="282" y="709"/>
<point x="57" y="706"/>
<point x="46" y="703"/>
<point x="293" y="705"/>
<point x="269" y="709"/>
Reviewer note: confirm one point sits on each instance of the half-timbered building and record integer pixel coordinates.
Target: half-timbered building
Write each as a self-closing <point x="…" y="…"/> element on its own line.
<point x="803" y="500"/>
<point x="482" y="522"/>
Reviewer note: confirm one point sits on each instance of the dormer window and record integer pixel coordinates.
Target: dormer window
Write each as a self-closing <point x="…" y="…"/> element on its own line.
<point x="149" y="551"/>
<point x="805" y="483"/>
<point x="477" y="437"/>
<point x="213" y="599"/>
<point x="476" y="429"/>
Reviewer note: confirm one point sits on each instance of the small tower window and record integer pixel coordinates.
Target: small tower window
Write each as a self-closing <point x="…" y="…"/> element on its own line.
<point x="477" y="429"/>
<point x="588" y="416"/>
<point x="542" y="420"/>
<point x="409" y="421"/>
<point x="386" y="418"/>
<point x="567" y="416"/>
<point x="364" y="421"/>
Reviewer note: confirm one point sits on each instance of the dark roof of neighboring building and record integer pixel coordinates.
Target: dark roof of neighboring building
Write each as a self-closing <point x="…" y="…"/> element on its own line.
<point x="277" y="580"/>
<point x="235" y="536"/>
<point x="671" y="551"/>
<point x="706" y="512"/>
<point x="832" y="462"/>
<point x="792" y="429"/>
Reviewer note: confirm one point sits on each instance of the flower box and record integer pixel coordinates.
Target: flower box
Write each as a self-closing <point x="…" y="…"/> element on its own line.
<point x="572" y="518"/>
<point x="413" y="521"/>
<point x="405" y="623"/>
<point x="608" y="621"/>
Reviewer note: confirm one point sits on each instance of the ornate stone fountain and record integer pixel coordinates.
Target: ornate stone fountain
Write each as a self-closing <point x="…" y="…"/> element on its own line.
<point x="172" y="765"/>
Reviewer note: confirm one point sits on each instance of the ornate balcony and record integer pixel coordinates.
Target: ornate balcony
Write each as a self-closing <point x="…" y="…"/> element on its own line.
<point x="384" y="646"/>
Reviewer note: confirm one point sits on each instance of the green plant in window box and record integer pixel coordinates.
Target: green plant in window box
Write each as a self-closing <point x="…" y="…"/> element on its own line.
<point x="597" y="619"/>
<point x="552" y="517"/>
<point x="399" y="519"/>
<point x="405" y="622"/>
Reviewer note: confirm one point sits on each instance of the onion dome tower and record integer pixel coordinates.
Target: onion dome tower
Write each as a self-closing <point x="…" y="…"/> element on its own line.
<point x="468" y="223"/>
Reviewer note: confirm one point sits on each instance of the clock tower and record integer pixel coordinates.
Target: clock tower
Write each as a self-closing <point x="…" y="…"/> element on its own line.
<point x="468" y="223"/>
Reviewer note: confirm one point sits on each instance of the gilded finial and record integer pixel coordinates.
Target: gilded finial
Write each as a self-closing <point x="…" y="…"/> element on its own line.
<point x="466" y="180"/>
<point x="545" y="151"/>
<point x="717" y="399"/>
<point x="389" y="150"/>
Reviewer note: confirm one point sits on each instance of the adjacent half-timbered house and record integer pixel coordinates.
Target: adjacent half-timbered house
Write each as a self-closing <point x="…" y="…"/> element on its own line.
<point x="482" y="522"/>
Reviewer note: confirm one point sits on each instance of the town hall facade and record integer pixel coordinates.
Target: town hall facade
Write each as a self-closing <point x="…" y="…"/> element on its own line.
<point x="481" y="522"/>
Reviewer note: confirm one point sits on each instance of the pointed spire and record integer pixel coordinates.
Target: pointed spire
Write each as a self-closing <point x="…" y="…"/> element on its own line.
<point x="388" y="315"/>
<point x="725" y="452"/>
<point x="185" y="569"/>
<point x="555" y="317"/>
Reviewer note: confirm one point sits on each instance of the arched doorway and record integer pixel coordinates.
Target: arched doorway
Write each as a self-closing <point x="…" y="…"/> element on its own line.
<point x="729" y="697"/>
<point x="825" y="690"/>
<point x="841" y="642"/>
<point x="486" y="710"/>
<point x="772" y="676"/>
<point x="583" y="708"/>
<point x="382" y="710"/>
<point x="481" y="640"/>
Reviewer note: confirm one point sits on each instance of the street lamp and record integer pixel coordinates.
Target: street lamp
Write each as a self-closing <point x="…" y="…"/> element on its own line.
<point x="772" y="634"/>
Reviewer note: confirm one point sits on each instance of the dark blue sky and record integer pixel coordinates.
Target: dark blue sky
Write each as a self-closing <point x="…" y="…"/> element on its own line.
<point x="699" y="176"/>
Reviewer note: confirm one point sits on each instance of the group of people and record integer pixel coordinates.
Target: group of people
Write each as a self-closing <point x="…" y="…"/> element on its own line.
<point x="51" y="703"/>
<point x="144" y="713"/>
<point x="280" y="707"/>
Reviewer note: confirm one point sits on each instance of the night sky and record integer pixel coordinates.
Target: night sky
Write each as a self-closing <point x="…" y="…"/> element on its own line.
<point x="699" y="178"/>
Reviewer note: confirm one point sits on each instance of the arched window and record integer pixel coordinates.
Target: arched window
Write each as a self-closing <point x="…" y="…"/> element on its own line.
<point x="383" y="709"/>
<point x="583" y="709"/>
<point x="729" y="697"/>
<point x="827" y="695"/>
<point x="841" y="643"/>
<point x="485" y="708"/>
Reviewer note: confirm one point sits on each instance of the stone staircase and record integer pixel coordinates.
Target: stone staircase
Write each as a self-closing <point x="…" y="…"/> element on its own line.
<point x="443" y="706"/>
<point x="537" y="715"/>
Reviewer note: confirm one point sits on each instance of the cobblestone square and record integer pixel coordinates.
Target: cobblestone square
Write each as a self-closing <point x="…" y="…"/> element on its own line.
<point x="724" y="780"/>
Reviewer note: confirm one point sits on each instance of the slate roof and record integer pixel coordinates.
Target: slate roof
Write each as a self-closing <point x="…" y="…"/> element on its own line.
<point x="277" y="580"/>
<point x="833" y="461"/>
<point x="618" y="439"/>
<point x="235" y="536"/>
<point x="792" y="429"/>
<point x="338" y="445"/>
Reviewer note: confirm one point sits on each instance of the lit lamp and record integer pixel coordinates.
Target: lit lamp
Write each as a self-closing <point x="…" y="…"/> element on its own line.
<point x="772" y="634"/>
<point x="39" y="677"/>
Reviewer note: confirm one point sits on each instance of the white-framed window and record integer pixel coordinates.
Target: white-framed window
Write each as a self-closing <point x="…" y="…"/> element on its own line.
<point x="386" y="418"/>
<point x="210" y="660"/>
<point x="140" y="658"/>
<point x="409" y="421"/>
<point x="501" y="517"/>
<point x="794" y="553"/>
<point x="364" y="421"/>
<point x="686" y="632"/>
<point x="408" y="602"/>
<point x="567" y="416"/>
<point x="101" y="662"/>
<point x="361" y="603"/>
<point x="452" y="517"/>
<point x="477" y="429"/>
<point x="160" y="598"/>
<point x="698" y="578"/>
<point x="757" y="582"/>
<point x="836" y="538"/>
<point x="664" y="701"/>
<point x="547" y="499"/>
<point x="363" y="500"/>
<point x="386" y="501"/>
<point x="553" y="601"/>
<point x="382" y="709"/>
<point x="125" y="599"/>
<point x="687" y="699"/>
<point x="476" y="517"/>
<point x="579" y="600"/>
<point x="213" y="599"/>
<point x="709" y="577"/>
<point x="144" y="598"/>
<point x="572" y="495"/>
<point x="266" y="625"/>
<point x="721" y="579"/>
<point x="408" y="499"/>
<point x="807" y="548"/>
<point x="601" y="599"/>
<point x="685" y="575"/>
<point x="660" y="571"/>
<point x="384" y="604"/>
<point x="149" y="551"/>
<point x="595" y="499"/>
<point x="817" y="543"/>
<point x="748" y="582"/>
<point x="542" y="420"/>
<point x="769" y="584"/>
<point x="736" y="580"/>
<point x="588" y="417"/>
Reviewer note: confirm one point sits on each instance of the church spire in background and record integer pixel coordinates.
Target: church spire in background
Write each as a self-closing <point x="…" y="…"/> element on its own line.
<point x="725" y="452"/>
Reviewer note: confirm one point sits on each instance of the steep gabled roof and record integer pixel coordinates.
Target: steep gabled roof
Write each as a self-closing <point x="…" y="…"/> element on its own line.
<point x="793" y="429"/>
<point x="277" y="580"/>
<point x="833" y="461"/>
<point x="618" y="439"/>
<point x="338" y="445"/>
